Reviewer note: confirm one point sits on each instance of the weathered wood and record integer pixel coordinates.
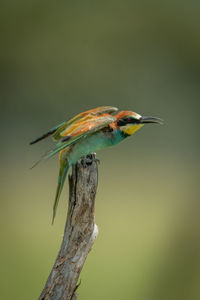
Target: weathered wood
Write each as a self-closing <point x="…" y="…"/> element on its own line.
<point x="79" y="234"/>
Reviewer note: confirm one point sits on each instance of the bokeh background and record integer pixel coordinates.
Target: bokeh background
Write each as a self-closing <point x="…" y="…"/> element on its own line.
<point x="59" y="58"/>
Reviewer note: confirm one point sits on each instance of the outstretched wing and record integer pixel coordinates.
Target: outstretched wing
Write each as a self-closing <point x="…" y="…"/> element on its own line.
<point x="68" y="126"/>
<point x="89" y="114"/>
<point x="81" y="130"/>
<point x="48" y="133"/>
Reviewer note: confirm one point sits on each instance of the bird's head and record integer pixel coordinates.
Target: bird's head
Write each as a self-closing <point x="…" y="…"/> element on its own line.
<point x="129" y="121"/>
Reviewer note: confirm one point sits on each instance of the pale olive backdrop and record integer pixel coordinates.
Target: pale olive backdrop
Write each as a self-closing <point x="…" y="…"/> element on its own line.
<point x="59" y="58"/>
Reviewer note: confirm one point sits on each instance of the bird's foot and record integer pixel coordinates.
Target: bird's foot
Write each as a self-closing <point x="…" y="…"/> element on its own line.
<point x="88" y="160"/>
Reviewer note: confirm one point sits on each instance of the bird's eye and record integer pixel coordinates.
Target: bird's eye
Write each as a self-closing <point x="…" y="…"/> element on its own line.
<point x="129" y="120"/>
<point x="132" y="120"/>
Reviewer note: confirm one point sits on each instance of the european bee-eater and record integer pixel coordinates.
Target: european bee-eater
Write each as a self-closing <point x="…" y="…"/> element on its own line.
<point x="88" y="132"/>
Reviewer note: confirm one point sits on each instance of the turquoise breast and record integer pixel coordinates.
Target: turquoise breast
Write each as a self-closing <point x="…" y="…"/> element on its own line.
<point x="93" y="143"/>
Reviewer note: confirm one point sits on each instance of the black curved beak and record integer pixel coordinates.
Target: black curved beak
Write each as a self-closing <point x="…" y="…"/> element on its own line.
<point x="147" y="120"/>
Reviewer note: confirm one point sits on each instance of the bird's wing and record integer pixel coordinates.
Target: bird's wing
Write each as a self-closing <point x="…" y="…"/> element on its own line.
<point x="69" y="125"/>
<point x="83" y="129"/>
<point x="50" y="132"/>
<point x="86" y="115"/>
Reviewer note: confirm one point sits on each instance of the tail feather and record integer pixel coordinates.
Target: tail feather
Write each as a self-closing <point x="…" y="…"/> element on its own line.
<point x="64" y="168"/>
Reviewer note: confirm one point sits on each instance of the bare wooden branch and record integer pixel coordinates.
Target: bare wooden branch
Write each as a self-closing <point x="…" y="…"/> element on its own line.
<point x="79" y="235"/>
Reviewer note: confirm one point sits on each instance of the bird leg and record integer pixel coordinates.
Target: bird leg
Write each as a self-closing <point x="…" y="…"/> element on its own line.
<point x="88" y="160"/>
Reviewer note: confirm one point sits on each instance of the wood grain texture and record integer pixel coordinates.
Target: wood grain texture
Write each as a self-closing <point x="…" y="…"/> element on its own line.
<point x="79" y="234"/>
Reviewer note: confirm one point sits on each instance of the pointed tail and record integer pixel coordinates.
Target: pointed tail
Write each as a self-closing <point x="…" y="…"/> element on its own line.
<point x="64" y="168"/>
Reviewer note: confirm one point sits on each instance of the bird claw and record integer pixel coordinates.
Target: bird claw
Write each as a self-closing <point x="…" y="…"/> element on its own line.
<point x="89" y="159"/>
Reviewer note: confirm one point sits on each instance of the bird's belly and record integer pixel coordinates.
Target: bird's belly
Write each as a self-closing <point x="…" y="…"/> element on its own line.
<point x="91" y="144"/>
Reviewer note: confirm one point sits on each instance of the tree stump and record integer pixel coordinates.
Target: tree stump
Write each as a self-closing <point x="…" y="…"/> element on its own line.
<point x="79" y="234"/>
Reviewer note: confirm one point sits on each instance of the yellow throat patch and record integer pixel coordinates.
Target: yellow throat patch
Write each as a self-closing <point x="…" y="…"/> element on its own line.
<point x="131" y="128"/>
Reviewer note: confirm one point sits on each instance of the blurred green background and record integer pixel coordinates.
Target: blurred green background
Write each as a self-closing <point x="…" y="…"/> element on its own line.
<point x="59" y="58"/>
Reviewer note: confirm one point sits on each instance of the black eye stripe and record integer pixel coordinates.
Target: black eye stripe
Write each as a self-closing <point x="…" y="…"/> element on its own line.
<point x="125" y="121"/>
<point x="121" y="122"/>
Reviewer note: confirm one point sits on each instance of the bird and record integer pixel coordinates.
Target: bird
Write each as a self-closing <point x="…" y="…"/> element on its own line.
<point x="88" y="132"/>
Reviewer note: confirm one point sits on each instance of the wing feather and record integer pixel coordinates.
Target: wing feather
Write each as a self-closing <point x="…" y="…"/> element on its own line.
<point x="70" y="125"/>
<point x="64" y="126"/>
<point x="84" y="129"/>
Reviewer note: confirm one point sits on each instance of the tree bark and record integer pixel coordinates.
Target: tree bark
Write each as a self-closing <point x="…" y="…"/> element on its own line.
<point x="79" y="234"/>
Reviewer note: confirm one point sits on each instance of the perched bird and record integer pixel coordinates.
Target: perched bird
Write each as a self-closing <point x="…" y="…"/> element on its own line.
<point x="87" y="132"/>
